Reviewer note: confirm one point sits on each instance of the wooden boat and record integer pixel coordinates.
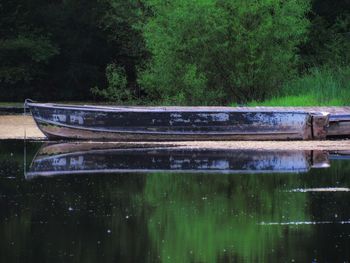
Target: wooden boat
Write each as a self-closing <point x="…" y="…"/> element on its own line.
<point x="93" y="158"/>
<point x="338" y="123"/>
<point x="58" y="121"/>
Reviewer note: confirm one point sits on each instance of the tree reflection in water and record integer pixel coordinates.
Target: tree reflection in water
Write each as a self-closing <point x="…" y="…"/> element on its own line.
<point x="200" y="218"/>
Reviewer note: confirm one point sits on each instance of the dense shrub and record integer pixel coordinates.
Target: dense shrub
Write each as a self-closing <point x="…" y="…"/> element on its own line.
<point x="212" y="51"/>
<point x="328" y="42"/>
<point x="116" y="89"/>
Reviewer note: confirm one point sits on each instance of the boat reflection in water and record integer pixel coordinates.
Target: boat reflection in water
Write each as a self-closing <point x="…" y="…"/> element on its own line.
<point x="85" y="157"/>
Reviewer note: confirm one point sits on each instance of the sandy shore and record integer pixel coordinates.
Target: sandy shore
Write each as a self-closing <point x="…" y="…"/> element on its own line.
<point x="18" y="126"/>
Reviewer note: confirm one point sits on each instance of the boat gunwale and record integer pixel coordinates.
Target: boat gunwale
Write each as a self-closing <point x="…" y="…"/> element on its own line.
<point x="169" y="109"/>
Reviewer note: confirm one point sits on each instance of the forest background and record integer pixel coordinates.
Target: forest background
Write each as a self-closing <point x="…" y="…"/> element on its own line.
<point x="176" y="52"/>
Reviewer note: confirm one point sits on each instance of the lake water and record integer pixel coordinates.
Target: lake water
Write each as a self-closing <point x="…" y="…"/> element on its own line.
<point x="74" y="203"/>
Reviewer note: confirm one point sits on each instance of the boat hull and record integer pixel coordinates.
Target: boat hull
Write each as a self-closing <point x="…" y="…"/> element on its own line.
<point x="173" y="123"/>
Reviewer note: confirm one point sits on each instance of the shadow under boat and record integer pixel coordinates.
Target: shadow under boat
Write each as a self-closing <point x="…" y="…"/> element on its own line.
<point x="93" y="158"/>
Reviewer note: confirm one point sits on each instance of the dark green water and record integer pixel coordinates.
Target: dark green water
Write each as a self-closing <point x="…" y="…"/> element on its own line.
<point x="167" y="217"/>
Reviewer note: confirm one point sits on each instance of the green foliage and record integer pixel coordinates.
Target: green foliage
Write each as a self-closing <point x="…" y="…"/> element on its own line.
<point x="116" y="90"/>
<point x="329" y="42"/>
<point x="22" y="57"/>
<point x="180" y="52"/>
<point x="121" y="21"/>
<point x="65" y="46"/>
<point x="102" y="34"/>
<point x="324" y="86"/>
<point x="212" y="51"/>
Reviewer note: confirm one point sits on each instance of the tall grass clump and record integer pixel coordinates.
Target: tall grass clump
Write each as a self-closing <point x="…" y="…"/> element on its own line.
<point x="320" y="87"/>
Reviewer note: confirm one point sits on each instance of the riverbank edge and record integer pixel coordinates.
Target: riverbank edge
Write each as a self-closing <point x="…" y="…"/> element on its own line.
<point x="329" y="145"/>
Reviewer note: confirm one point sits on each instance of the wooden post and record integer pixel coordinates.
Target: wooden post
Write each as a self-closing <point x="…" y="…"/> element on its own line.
<point x="320" y="122"/>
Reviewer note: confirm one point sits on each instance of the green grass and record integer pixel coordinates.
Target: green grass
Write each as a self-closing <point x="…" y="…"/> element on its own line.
<point x="321" y="87"/>
<point x="11" y="104"/>
<point x="302" y="100"/>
